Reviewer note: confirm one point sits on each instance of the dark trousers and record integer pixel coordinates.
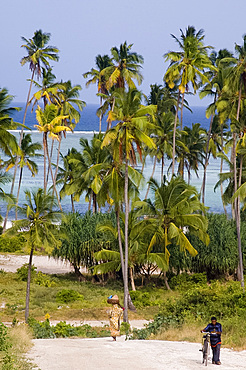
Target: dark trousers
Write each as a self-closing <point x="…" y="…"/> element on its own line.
<point x="216" y="353"/>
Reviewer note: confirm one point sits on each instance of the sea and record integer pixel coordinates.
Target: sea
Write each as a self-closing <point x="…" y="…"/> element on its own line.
<point x="88" y="125"/>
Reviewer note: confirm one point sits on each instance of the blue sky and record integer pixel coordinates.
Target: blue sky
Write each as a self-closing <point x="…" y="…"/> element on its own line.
<point x="81" y="29"/>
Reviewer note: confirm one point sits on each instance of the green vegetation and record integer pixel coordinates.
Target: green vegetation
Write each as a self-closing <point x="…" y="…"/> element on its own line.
<point x="14" y="343"/>
<point x="187" y="314"/>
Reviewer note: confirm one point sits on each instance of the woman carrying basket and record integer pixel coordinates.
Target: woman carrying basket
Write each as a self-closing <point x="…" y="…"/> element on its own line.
<point x="114" y="316"/>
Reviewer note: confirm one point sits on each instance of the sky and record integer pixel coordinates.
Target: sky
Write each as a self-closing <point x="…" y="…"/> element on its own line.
<point x="82" y="29"/>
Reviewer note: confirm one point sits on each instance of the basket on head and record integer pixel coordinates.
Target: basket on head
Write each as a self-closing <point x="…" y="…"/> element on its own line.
<point x="113" y="299"/>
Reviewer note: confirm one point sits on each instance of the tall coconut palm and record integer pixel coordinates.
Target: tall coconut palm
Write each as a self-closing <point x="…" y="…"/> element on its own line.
<point x="70" y="105"/>
<point x="133" y="123"/>
<point x="126" y="68"/>
<point x="28" y="151"/>
<point x="85" y="165"/>
<point x="235" y="86"/>
<point x="187" y="67"/>
<point x="50" y="123"/>
<point x="214" y="89"/>
<point x="38" y="53"/>
<point x="39" y="226"/>
<point x="102" y="62"/>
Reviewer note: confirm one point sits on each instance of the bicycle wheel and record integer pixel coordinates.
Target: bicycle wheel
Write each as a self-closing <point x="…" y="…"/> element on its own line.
<point x="205" y="353"/>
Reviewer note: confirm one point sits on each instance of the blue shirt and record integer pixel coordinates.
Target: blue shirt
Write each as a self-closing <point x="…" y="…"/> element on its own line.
<point x="214" y="338"/>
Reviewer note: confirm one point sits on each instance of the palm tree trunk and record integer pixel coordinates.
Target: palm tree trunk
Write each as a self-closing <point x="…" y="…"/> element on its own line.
<point x="132" y="279"/>
<point x="174" y="133"/>
<point x="206" y="160"/>
<point x="162" y="168"/>
<point x="45" y="151"/>
<point x="126" y="244"/>
<point x="20" y="140"/>
<point x="28" y="285"/>
<point x="52" y="176"/>
<point x="152" y="175"/>
<point x="100" y="118"/>
<point x="18" y="192"/>
<point x="221" y="170"/>
<point x="117" y="212"/>
<point x="58" y="158"/>
<point x="182" y="111"/>
<point x="165" y="280"/>
<point x="72" y="203"/>
<point x="237" y="201"/>
<point x="51" y="154"/>
<point x="89" y="205"/>
<point x="94" y="202"/>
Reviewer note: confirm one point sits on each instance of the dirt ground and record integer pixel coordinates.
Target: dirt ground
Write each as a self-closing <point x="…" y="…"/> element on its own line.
<point x="45" y="264"/>
<point x="104" y="354"/>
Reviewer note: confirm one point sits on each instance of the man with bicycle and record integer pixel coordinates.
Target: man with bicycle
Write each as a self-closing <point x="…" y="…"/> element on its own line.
<point x="215" y="329"/>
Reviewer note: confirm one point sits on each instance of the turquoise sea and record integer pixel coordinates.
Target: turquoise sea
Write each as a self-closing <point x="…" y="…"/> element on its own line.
<point x="85" y="128"/>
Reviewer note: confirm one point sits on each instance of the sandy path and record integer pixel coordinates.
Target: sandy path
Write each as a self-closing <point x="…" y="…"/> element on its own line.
<point x="11" y="262"/>
<point x="103" y="354"/>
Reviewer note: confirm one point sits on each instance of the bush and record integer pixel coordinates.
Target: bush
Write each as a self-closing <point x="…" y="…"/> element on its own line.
<point x="187" y="281"/>
<point x="44" y="280"/>
<point x="4" y="344"/>
<point x="41" y="329"/>
<point x="22" y="272"/>
<point x="12" y="244"/>
<point x="143" y="299"/>
<point x="68" y="295"/>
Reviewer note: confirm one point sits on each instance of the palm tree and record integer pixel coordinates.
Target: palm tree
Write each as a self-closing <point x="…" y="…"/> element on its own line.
<point x="47" y="89"/>
<point x="5" y="197"/>
<point x="85" y="168"/>
<point x="38" y="53"/>
<point x="28" y="150"/>
<point x="190" y="149"/>
<point x="50" y="122"/>
<point x="8" y="143"/>
<point x="138" y="237"/>
<point x="234" y="91"/>
<point x="102" y="62"/>
<point x="67" y="99"/>
<point x="175" y="208"/>
<point x="133" y="122"/>
<point x="214" y="90"/>
<point x="39" y="226"/>
<point x="125" y="69"/>
<point x="187" y="67"/>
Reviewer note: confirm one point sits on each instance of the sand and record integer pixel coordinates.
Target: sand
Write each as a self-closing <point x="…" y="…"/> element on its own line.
<point x="45" y="264"/>
<point x="103" y="353"/>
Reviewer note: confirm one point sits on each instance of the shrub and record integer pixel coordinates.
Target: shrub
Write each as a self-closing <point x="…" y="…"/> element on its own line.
<point x="44" y="280"/>
<point x="41" y="329"/>
<point x="22" y="272"/>
<point x="4" y="344"/>
<point x="12" y="244"/>
<point x="68" y="295"/>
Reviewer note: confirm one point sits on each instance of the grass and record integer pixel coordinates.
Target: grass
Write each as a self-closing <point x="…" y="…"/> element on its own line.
<point x="92" y="307"/>
<point x="19" y="343"/>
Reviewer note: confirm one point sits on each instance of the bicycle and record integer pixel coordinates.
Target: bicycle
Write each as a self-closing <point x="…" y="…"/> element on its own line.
<point x="205" y="348"/>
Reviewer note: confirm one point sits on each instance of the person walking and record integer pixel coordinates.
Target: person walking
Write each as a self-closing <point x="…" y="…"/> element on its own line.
<point x="114" y="314"/>
<point x="215" y="329"/>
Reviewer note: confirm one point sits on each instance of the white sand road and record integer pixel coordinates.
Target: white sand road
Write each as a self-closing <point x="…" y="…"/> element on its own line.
<point x="104" y="354"/>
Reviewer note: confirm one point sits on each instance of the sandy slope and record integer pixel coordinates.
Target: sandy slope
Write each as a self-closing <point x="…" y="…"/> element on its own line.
<point x="103" y="354"/>
<point x="10" y="263"/>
